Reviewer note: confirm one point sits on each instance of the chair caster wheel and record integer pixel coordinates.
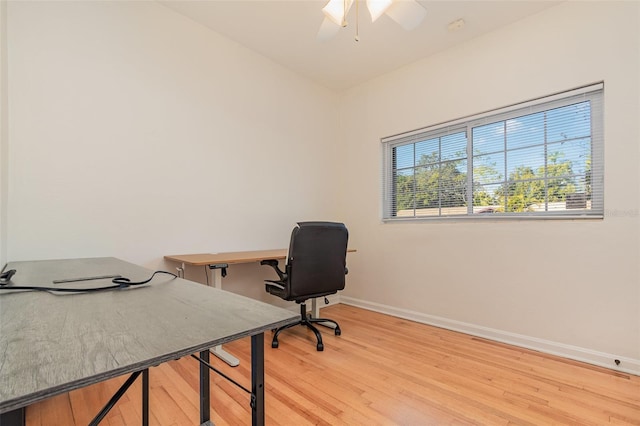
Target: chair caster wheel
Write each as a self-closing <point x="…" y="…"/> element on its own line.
<point x="320" y="347"/>
<point x="274" y="344"/>
<point x="337" y="331"/>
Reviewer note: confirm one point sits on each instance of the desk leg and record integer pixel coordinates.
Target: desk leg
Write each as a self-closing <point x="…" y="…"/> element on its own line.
<point x="205" y="395"/>
<point x="13" y="418"/>
<point x="315" y="309"/>
<point x="217" y="350"/>
<point x="257" y="379"/>
<point x="145" y="397"/>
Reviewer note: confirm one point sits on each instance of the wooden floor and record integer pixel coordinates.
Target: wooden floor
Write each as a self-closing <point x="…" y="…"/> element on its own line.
<point x="382" y="371"/>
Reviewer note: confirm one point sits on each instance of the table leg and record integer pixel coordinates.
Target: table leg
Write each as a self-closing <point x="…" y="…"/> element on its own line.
<point x="217" y="350"/>
<point x="225" y="356"/>
<point x="257" y="380"/>
<point x="13" y="418"/>
<point x="315" y="309"/>
<point x="205" y="391"/>
<point x="145" y="397"/>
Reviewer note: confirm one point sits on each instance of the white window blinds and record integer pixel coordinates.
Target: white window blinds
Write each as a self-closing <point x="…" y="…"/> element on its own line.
<point x="542" y="158"/>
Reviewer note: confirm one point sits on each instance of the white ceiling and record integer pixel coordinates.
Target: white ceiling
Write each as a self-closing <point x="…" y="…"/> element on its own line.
<point x="285" y="31"/>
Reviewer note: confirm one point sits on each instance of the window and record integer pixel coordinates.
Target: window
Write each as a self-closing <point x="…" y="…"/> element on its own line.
<point x="543" y="158"/>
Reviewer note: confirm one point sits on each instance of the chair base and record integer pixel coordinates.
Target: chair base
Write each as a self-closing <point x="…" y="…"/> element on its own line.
<point x="308" y="322"/>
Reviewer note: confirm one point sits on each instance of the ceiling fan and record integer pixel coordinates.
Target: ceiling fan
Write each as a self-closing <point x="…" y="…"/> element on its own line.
<point x="408" y="13"/>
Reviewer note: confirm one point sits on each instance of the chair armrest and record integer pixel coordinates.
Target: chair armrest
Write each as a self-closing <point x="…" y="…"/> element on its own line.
<point x="274" y="264"/>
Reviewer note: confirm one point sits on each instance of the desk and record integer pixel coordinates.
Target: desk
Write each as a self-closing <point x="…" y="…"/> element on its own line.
<point x="230" y="258"/>
<point x="51" y="344"/>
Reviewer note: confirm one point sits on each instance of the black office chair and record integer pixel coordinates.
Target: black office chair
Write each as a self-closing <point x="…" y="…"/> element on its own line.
<point x="316" y="267"/>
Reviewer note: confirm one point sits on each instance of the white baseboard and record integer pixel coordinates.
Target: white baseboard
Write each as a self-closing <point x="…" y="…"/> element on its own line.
<point x="626" y="365"/>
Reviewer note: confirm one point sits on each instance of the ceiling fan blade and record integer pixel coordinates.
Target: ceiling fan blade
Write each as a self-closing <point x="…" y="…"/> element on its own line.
<point x="336" y="10"/>
<point x="377" y="8"/>
<point x="408" y="13"/>
<point x="327" y="30"/>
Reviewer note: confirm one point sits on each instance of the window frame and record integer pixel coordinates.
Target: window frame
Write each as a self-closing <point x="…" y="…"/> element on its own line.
<point x="593" y="93"/>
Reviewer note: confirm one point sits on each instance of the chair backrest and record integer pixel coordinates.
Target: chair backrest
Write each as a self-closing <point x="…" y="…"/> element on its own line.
<point x="316" y="262"/>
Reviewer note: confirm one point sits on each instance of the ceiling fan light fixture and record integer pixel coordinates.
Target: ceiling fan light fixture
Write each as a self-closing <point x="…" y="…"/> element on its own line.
<point x="377" y="8"/>
<point x="336" y="11"/>
<point x="409" y="14"/>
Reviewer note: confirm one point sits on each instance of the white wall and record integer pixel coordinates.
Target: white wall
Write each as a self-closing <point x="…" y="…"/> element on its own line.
<point x="3" y="133"/>
<point x="566" y="286"/>
<point x="138" y="133"/>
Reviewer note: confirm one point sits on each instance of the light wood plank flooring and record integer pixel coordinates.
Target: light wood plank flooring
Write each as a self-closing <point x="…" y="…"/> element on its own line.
<point x="382" y="371"/>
